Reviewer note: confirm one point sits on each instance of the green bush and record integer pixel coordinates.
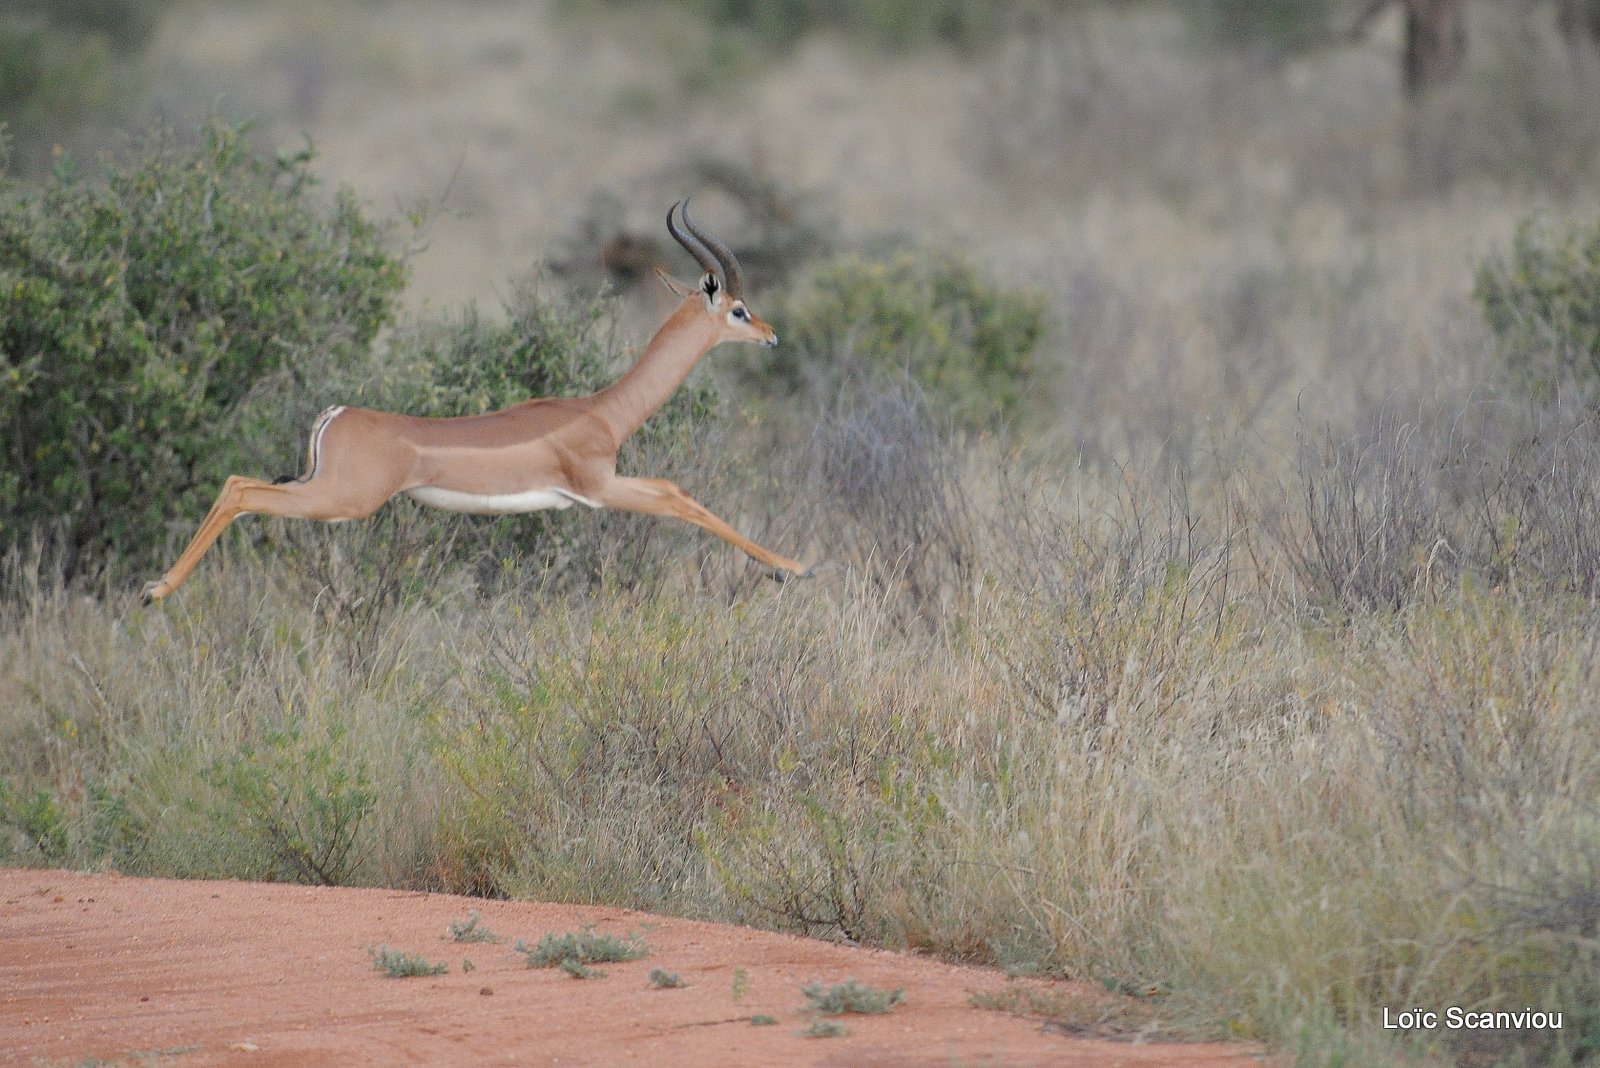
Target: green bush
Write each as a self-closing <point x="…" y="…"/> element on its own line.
<point x="850" y="996"/>
<point x="50" y="80"/>
<point x="891" y="24"/>
<point x="1274" y="25"/>
<point x="125" y="24"/>
<point x="965" y="340"/>
<point x="65" y="63"/>
<point x="38" y="818"/>
<point x="299" y="801"/>
<point x="1543" y="304"/>
<point x="138" y="317"/>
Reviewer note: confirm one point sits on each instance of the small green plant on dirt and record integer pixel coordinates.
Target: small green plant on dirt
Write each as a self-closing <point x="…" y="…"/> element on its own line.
<point x="583" y="947"/>
<point x="821" y="1028"/>
<point x="850" y="996"/>
<point x="397" y="964"/>
<point x="579" y="970"/>
<point x="762" y="1020"/>
<point x="662" y="979"/>
<point x="818" y="873"/>
<point x="741" y="984"/>
<point x="469" y="930"/>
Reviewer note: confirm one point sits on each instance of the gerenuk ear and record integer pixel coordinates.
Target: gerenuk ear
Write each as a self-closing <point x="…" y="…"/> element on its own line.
<point x="711" y="287"/>
<point x="674" y="286"/>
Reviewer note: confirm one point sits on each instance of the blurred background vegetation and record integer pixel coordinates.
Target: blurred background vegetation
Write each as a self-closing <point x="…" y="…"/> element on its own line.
<point x="1190" y="408"/>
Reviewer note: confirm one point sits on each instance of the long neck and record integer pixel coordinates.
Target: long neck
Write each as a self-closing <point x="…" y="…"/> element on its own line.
<point x="666" y="362"/>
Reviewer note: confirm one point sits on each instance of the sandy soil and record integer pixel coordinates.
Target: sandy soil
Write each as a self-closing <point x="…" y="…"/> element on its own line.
<point x="110" y="970"/>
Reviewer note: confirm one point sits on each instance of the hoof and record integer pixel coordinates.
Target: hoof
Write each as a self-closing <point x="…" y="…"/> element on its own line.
<point x="153" y="592"/>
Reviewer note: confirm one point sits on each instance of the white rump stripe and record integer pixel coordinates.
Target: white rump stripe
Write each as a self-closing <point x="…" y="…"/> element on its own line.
<point x="497" y="503"/>
<point x="314" y="449"/>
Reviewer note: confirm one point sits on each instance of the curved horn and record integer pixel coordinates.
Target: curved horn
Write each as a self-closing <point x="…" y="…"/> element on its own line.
<point x="695" y="247"/>
<point x="732" y="276"/>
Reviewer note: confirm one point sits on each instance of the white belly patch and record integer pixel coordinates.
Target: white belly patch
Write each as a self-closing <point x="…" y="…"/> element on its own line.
<point x="497" y="503"/>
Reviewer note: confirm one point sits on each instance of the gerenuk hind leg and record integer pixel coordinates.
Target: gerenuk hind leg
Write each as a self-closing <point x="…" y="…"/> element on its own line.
<point x="333" y="488"/>
<point x="244" y="496"/>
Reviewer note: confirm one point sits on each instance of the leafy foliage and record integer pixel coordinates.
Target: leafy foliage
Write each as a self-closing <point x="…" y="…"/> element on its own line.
<point x="38" y="817"/>
<point x="1543" y="304"/>
<point x="138" y="319"/>
<point x="969" y="343"/>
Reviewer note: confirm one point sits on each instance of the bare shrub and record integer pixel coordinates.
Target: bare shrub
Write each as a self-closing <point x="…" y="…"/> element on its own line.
<point x="1110" y="586"/>
<point x="1536" y="508"/>
<point x="1552" y="910"/>
<point x="593" y="743"/>
<point x="887" y="497"/>
<point x="1371" y="529"/>
<point x="1488" y="492"/>
<point x="300" y="800"/>
<point x="1477" y="708"/>
<point x="822" y="868"/>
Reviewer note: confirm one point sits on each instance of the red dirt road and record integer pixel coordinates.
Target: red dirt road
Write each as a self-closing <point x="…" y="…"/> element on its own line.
<point x="154" y="972"/>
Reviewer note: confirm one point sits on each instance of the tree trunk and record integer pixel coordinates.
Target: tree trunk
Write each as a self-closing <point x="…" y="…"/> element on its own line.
<point x="1436" y="43"/>
<point x="1580" y="25"/>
